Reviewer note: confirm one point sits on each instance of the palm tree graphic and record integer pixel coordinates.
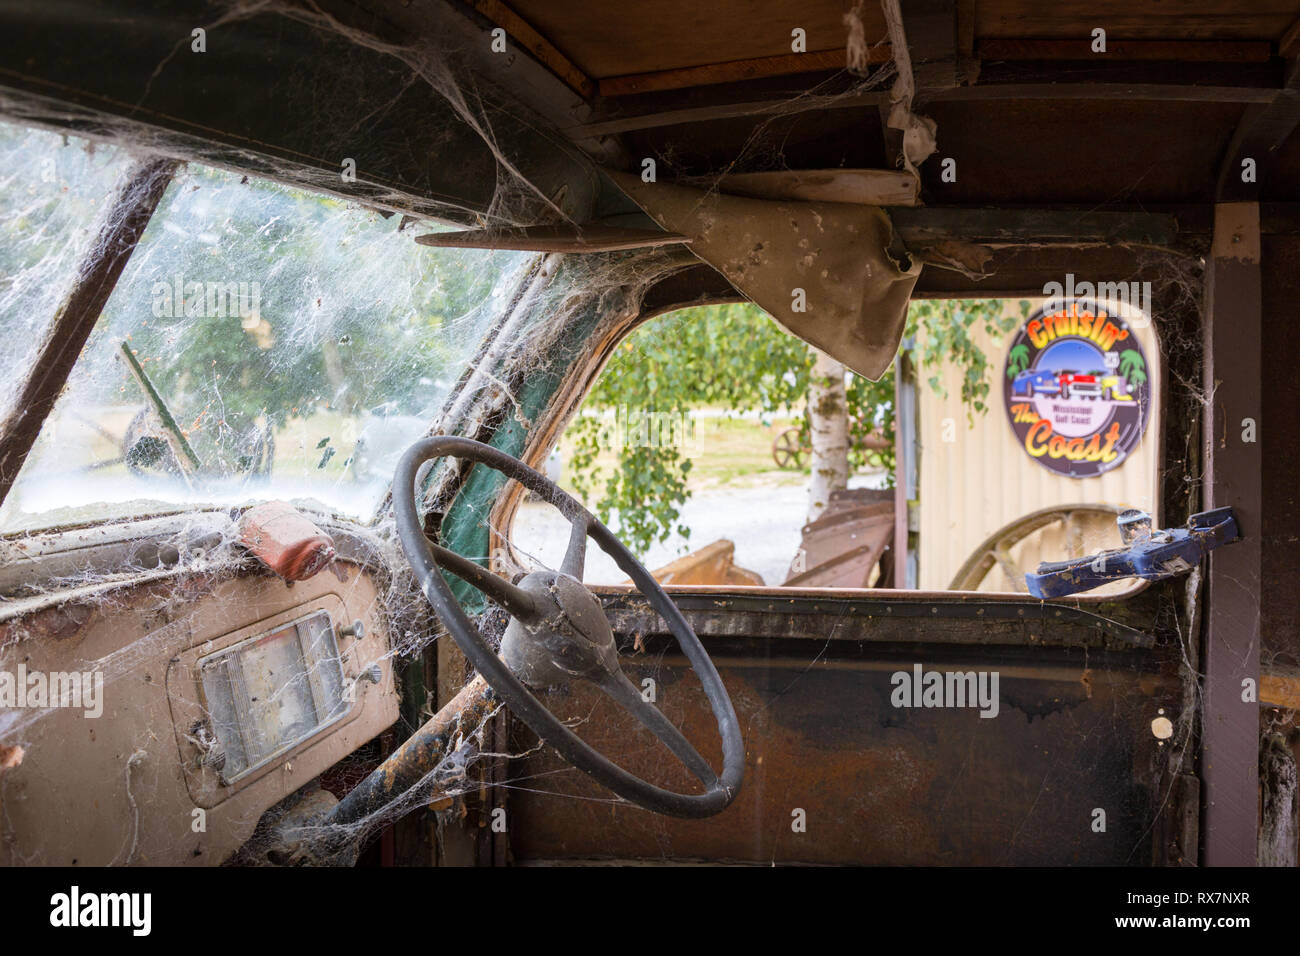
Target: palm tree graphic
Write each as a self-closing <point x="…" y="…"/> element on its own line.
<point x="1132" y="367"/>
<point x="1018" y="360"/>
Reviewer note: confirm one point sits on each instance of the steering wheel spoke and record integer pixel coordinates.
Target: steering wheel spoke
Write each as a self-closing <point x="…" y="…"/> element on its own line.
<point x="521" y="605"/>
<point x="575" y="556"/>
<point x="623" y="692"/>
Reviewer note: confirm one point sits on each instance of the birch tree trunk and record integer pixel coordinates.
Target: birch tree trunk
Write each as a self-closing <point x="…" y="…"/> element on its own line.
<point x="828" y="419"/>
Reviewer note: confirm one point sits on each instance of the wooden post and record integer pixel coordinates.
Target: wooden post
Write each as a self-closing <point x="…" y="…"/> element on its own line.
<point x="1233" y="477"/>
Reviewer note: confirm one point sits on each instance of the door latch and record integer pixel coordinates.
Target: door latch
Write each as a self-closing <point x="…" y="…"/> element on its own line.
<point x="1149" y="554"/>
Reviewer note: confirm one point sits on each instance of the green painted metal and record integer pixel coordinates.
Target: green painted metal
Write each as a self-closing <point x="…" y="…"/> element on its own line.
<point x="464" y="526"/>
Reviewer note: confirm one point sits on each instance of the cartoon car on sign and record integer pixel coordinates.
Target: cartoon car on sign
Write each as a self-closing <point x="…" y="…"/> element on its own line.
<point x="1080" y="384"/>
<point x="1115" y="388"/>
<point x="1040" y="382"/>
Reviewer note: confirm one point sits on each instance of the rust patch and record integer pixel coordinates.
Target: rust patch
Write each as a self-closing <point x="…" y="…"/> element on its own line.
<point x="62" y="622"/>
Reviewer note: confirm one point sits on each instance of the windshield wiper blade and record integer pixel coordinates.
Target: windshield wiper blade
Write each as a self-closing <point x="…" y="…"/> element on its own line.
<point x="180" y="444"/>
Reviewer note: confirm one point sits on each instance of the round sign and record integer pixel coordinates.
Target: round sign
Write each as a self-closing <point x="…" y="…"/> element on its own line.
<point x="1077" y="389"/>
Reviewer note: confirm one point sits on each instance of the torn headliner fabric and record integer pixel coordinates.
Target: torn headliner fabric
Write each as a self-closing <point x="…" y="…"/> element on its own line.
<point x="822" y="270"/>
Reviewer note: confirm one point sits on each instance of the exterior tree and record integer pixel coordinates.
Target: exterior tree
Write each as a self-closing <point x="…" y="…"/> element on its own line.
<point x="828" y="420"/>
<point x="729" y="356"/>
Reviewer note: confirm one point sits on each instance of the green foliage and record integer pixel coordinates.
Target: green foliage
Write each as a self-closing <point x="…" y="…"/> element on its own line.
<point x="727" y="356"/>
<point x="736" y="358"/>
<point x="947" y="325"/>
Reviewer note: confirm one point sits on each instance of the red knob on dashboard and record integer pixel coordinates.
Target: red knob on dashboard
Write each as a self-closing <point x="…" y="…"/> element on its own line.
<point x="286" y="540"/>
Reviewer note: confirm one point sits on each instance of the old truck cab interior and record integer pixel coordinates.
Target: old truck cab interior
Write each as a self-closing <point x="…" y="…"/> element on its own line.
<point x="301" y="299"/>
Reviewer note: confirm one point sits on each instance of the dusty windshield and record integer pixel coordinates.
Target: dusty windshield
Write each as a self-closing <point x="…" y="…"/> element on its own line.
<point x="263" y="342"/>
<point x="54" y="191"/>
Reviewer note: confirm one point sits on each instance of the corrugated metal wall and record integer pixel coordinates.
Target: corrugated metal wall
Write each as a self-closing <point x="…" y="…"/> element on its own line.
<point x="983" y="480"/>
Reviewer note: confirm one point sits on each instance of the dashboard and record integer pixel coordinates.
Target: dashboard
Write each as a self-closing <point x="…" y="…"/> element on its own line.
<point x="221" y="695"/>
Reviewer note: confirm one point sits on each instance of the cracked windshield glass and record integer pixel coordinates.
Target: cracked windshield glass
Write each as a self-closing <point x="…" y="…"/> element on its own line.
<point x="263" y="342"/>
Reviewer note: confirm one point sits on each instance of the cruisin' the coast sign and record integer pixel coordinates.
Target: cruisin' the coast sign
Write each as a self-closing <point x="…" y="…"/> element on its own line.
<point x="1077" y="389"/>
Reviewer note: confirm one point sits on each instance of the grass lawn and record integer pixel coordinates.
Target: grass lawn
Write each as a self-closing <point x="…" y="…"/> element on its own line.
<point x="724" y="451"/>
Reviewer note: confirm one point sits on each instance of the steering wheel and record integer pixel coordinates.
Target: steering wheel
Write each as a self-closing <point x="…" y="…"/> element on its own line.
<point x="558" y="631"/>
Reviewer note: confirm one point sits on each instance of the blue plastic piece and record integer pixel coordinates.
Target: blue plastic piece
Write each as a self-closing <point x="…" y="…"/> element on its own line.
<point x="1150" y="555"/>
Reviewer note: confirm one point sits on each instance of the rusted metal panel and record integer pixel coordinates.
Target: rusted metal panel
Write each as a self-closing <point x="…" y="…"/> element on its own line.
<point x="881" y="617"/>
<point x="712" y="564"/>
<point x="848" y="569"/>
<point x="841" y="548"/>
<point x="142" y="746"/>
<point x="877" y="783"/>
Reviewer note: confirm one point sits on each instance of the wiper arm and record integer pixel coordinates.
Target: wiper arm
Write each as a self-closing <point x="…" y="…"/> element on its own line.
<point x="180" y="445"/>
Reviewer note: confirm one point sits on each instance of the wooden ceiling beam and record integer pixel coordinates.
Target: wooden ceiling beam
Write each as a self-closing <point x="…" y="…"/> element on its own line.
<point x="1189" y="51"/>
<point x="1289" y="46"/>
<point x="968" y="65"/>
<point x="865" y="187"/>
<point x="1263" y="128"/>
<point x="1132" y="92"/>
<point x="728" y="109"/>
<point x="545" y="52"/>
<point x="788" y="64"/>
<point x="931" y="30"/>
<point x="550" y="237"/>
<point x="1002" y="226"/>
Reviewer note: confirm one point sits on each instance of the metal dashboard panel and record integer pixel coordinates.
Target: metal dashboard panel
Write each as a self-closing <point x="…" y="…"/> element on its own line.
<point x="122" y="789"/>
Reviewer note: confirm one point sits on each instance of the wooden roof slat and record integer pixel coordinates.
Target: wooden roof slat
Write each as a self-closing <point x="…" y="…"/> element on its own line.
<point x="1136" y="92"/>
<point x="1136" y="19"/>
<point x="931" y="30"/>
<point x="1289" y="44"/>
<point x="734" y="71"/>
<point x="523" y="33"/>
<point x="1188" y="51"/>
<point x="608" y="39"/>
<point x="1017" y="226"/>
<point x="1260" y="133"/>
<point x="724" y="110"/>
